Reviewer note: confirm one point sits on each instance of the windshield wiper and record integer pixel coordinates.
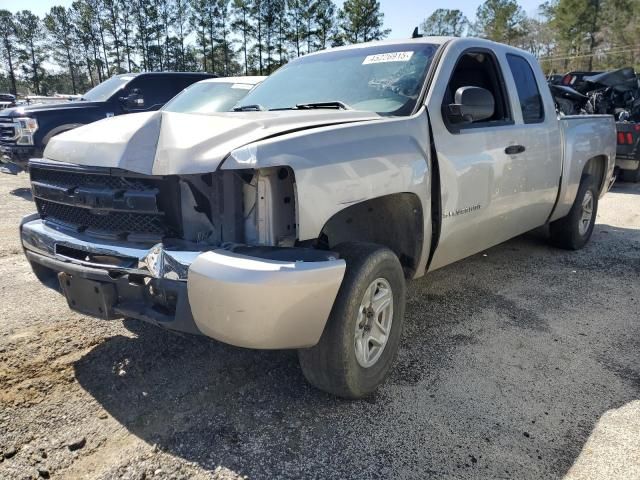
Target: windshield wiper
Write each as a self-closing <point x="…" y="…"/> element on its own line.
<point x="249" y="108"/>
<point x="335" y="105"/>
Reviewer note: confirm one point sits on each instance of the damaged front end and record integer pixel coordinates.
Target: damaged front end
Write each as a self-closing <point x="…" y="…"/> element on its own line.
<point x="214" y="253"/>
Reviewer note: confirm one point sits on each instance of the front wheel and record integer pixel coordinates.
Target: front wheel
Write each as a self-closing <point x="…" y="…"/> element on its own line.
<point x="362" y="335"/>
<point x="574" y="231"/>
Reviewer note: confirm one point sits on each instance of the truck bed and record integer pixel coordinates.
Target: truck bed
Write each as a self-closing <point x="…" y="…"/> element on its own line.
<point x="581" y="135"/>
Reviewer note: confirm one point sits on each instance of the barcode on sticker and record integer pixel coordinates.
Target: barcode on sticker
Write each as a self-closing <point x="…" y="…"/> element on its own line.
<point x="388" y="57"/>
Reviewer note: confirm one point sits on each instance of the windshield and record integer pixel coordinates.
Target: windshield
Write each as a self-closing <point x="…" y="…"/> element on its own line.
<point x="208" y="97"/>
<point x="386" y="79"/>
<point x="105" y="90"/>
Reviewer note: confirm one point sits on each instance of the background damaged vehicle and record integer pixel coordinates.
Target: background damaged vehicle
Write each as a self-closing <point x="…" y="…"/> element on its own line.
<point x="295" y="221"/>
<point x="26" y="130"/>
<point x="615" y="93"/>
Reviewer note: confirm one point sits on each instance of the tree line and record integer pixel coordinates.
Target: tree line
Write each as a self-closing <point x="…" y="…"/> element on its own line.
<point x="565" y="35"/>
<point x="72" y="49"/>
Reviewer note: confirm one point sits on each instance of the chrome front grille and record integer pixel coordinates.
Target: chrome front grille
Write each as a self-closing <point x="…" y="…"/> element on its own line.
<point x="7" y="131"/>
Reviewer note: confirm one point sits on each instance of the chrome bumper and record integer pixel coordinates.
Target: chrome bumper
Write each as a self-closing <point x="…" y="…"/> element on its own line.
<point x="237" y="299"/>
<point x="157" y="261"/>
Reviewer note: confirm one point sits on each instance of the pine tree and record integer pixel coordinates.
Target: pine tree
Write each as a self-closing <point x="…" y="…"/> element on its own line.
<point x="181" y="28"/>
<point x="501" y="20"/>
<point x="620" y="30"/>
<point x="362" y="21"/>
<point x="112" y="13"/>
<point x="126" y="25"/>
<point x="309" y="17"/>
<point x="325" y="20"/>
<point x="241" y="12"/>
<point x="297" y="30"/>
<point x="83" y="38"/>
<point x="270" y="13"/>
<point x="576" y="23"/>
<point x="141" y="37"/>
<point x="9" y="40"/>
<point x="256" y="17"/>
<point x="445" y="22"/>
<point x="224" y="26"/>
<point x="86" y="18"/>
<point x="61" y="31"/>
<point x="282" y="32"/>
<point x="31" y="53"/>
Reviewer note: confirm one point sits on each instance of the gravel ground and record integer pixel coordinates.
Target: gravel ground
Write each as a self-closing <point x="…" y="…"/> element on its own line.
<point x="520" y="362"/>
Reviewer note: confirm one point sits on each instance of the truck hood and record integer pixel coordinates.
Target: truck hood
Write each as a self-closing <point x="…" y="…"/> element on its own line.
<point x="31" y="110"/>
<point x="168" y="143"/>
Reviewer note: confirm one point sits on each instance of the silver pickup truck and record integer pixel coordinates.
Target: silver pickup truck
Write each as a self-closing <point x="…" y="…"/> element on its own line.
<point x="294" y="221"/>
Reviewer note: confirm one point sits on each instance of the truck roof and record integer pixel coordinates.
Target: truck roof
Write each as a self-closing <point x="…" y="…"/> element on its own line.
<point x="433" y="40"/>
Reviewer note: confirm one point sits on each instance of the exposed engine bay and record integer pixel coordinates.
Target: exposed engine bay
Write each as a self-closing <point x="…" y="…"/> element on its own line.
<point x="614" y="92"/>
<point x="254" y="207"/>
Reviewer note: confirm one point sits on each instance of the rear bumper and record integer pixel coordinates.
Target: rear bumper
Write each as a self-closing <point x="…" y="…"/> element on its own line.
<point x="627" y="164"/>
<point x="240" y="299"/>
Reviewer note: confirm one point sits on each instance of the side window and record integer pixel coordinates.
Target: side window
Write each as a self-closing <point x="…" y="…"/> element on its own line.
<point x="155" y="89"/>
<point x="528" y="93"/>
<point x="480" y="69"/>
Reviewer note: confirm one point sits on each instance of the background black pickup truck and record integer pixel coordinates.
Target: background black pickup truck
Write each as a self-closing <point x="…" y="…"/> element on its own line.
<point x="25" y="130"/>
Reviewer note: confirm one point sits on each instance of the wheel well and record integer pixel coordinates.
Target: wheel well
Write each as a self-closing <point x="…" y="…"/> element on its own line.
<point x="395" y="221"/>
<point x="596" y="167"/>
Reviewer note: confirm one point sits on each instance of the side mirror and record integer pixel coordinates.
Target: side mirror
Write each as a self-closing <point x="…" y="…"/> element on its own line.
<point x="472" y="104"/>
<point x="134" y="101"/>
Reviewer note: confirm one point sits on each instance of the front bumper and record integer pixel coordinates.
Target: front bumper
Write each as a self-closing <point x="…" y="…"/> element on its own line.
<point x="240" y="299"/>
<point x="18" y="155"/>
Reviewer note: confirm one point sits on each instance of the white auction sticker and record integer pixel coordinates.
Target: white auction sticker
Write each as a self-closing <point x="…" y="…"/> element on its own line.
<point x="388" y="57"/>
<point x="242" y="86"/>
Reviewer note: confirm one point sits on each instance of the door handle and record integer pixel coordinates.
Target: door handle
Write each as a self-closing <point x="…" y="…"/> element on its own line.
<point x="514" y="149"/>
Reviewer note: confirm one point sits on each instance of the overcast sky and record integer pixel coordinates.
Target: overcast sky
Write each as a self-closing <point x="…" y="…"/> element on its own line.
<point x="401" y="16"/>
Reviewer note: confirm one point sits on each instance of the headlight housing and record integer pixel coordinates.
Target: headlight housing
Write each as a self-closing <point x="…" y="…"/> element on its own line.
<point x="25" y="129"/>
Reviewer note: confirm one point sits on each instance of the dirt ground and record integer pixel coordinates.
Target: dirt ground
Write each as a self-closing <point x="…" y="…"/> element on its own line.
<point x="520" y="362"/>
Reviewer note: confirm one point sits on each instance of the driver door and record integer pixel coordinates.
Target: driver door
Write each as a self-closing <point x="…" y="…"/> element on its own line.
<point x="483" y="170"/>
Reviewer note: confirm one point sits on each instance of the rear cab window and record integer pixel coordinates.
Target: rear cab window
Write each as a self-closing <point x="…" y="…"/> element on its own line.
<point x="527" y="88"/>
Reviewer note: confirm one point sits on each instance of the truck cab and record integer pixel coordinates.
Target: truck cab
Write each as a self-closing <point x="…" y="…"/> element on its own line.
<point x="26" y="130"/>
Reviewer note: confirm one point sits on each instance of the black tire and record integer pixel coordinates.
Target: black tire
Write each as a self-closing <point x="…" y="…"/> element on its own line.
<point x="632" y="176"/>
<point x="566" y="232"/>
<point x="331" y="365"/>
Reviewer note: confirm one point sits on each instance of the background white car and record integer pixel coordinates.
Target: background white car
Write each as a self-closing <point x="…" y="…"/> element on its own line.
<point x="212" y="95"/>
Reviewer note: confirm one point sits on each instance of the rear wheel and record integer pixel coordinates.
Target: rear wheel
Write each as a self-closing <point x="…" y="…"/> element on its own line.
<point x="574" y="231"/>
<point x="361" y="338"/>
